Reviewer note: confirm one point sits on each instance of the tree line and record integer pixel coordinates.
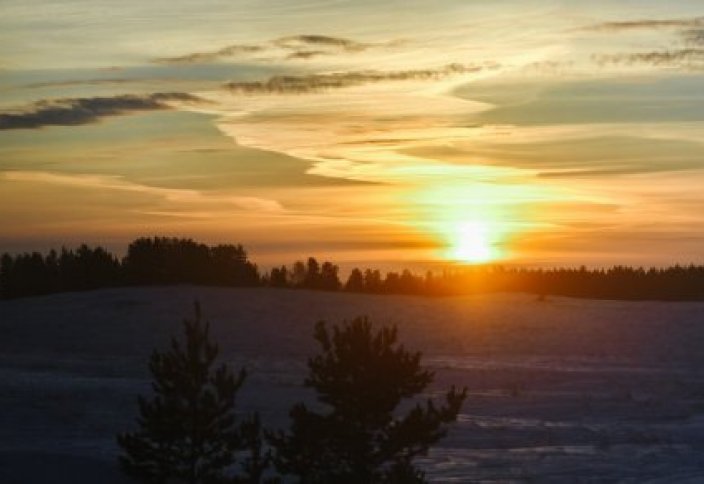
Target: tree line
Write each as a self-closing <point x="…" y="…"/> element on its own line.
<point x="164" y="261"/>
<point x="149" y="261"/>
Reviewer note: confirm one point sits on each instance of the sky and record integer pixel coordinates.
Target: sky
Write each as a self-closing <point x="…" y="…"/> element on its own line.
<point x="397" y="133"/>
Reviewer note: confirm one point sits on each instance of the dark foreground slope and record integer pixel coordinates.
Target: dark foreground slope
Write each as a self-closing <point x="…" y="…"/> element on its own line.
<point x="559" y="389"/>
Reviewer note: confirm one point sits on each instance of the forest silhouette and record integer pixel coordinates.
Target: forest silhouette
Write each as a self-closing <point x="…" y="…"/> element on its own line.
<point x="168" y="261"/>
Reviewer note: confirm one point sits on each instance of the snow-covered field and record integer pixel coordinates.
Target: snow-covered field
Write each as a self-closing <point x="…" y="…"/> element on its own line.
<point x="561" y="390"/>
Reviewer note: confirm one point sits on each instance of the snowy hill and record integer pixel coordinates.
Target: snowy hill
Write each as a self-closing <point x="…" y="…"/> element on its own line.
<point x="559" y="389"/>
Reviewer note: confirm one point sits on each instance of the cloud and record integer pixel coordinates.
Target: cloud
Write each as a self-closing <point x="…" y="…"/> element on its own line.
<point x="689" y="30"/>
<point x="563" y="151"/>
<point x="644" y="24"/>
<point x="199" y="57"/>
<point x="552" y="67"/>
<point x="296" y="41"/>
<point x="113" y="81"/>
<point x="306" y="54"/>
<point x="85" y="82"/>
<point x="313" y="83"/>
<point x="693" y="36"/>
<point x="79" y="111"/>
<point x="305" y="46"/>
<point x="654" y="58"/>
<point x="615" y="170"/>
<point x="173" y="195"/>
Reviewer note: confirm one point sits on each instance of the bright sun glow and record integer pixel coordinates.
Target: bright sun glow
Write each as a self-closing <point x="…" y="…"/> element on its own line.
<point x="472" y="243"/>
<point x="475" y="222"/>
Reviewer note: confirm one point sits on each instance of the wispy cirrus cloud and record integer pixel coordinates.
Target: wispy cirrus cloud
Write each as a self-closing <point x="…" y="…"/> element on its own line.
<point x="693" y="36"/>
<point x="83" y="82"/>
<point x="653" y="58"/>
<point x="80" y="111"/>
<point x="173" y="195"/>
<point x="684" y="52"/>
<point x="304" y="41"/>
<point x="313" y="83"/>
<point x="306" y="54"/>
<point x="304" y="46"/>
<point x="211" y="56"/>
<point x="111" y="81"/>
<point x="643" y="24"/>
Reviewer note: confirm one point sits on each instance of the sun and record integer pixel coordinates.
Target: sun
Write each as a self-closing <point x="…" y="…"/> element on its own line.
<point x="472" y="243"/>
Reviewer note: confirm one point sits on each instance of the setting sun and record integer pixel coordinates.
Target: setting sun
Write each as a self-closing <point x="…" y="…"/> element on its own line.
<point x="473" y="243"/>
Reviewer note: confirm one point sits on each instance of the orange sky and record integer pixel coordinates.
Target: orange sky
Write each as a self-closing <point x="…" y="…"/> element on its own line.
<point x="406" y="134"/>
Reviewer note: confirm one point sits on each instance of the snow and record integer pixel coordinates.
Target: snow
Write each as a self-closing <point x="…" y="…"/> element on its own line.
<point x="562" y="390"/>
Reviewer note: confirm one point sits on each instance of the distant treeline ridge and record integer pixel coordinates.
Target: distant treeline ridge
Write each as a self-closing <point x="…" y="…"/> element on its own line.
<point x="164" y="261"/>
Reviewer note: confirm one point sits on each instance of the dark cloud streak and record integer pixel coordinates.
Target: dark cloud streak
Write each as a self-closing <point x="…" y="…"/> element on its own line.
<point x="81" y="111"/>
<point x="307" y="54"/>
<point x="323" y="82"/>
<point x="644" y="24"/>
<point x="693" y="36"/>
<point x="201" y="57"/>
<point x="654" y="58"/>
<point x="294" y="42"/>
<point x="303" y="46"/>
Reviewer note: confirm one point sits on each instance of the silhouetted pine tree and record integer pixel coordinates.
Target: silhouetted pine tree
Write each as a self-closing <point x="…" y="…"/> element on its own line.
<point x="188" y="430"/>
<point x="256" y="463"/>
<point x="355" y="282"/>
<point x="363" y="376"/>
<point x="279" y="277"/>
<point x="329" y="279"/>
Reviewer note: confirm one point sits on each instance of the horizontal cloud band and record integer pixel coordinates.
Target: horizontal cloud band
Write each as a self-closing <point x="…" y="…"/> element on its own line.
<point x="78" y="111"/>
<point x="647" y="24"/>
<point x="321" y="82"/>
<point x="655" y="58"/>
<point x="299" y="44"/>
